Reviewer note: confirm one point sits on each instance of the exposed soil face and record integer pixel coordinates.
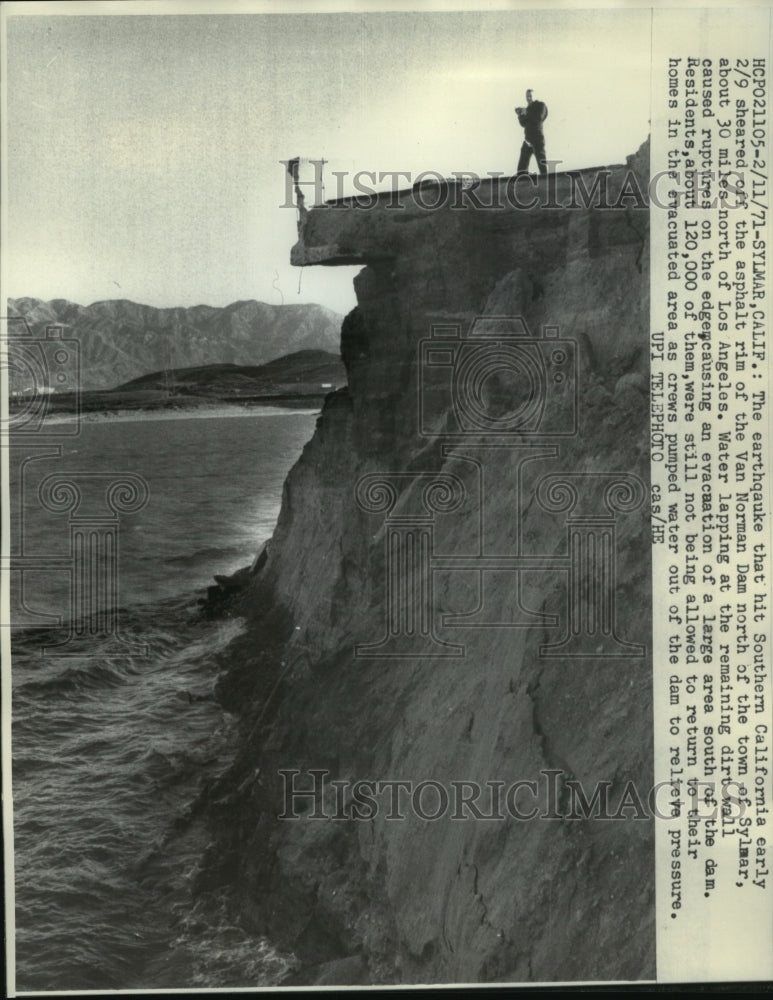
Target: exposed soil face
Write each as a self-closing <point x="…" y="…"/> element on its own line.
<point x="459" y="900"/>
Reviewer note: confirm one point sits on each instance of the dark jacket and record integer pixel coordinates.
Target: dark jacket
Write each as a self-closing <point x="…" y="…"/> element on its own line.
<point x="532" y="118"/>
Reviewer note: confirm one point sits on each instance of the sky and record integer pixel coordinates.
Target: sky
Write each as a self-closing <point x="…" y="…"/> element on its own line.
<point x="143" y="152"/>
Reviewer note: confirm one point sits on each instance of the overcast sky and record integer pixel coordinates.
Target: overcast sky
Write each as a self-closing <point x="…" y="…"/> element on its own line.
<point x="143" y="151"/>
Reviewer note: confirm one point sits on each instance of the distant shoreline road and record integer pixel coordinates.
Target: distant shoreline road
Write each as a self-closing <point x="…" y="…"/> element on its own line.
<point x="109" y="406"/>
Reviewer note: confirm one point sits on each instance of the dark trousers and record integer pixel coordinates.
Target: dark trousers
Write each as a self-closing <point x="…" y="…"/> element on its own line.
<point x="534" y="145"/>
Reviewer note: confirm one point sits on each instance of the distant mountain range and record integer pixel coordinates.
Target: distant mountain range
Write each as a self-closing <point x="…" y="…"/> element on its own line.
<point x="119" y="341"/>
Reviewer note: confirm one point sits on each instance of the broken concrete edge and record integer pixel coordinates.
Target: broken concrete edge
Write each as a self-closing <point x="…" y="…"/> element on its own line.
<point x="461" y="180"/>
<point x="315" y="227"/>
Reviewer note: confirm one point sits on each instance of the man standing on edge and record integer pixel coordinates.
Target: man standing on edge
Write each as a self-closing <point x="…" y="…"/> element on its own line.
<point x="531" y="118"/>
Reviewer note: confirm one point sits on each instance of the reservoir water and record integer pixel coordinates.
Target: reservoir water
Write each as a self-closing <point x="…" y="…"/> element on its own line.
<point x="111" y="746"/>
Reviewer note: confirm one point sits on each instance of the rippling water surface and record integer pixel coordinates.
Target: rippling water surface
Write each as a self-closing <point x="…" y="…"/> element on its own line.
<point x="109" y="748"/>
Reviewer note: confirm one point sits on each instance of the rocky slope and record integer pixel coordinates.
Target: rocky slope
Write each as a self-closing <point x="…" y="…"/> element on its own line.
<point x="120" y="340"/>
<point x="458" y="900"/>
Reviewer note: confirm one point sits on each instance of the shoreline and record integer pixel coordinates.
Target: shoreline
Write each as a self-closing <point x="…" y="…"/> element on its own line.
<point x="203" y="411"/>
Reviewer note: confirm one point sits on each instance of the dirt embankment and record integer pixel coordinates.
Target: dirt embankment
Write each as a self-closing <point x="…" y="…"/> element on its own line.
<point x="517" y="500"/>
